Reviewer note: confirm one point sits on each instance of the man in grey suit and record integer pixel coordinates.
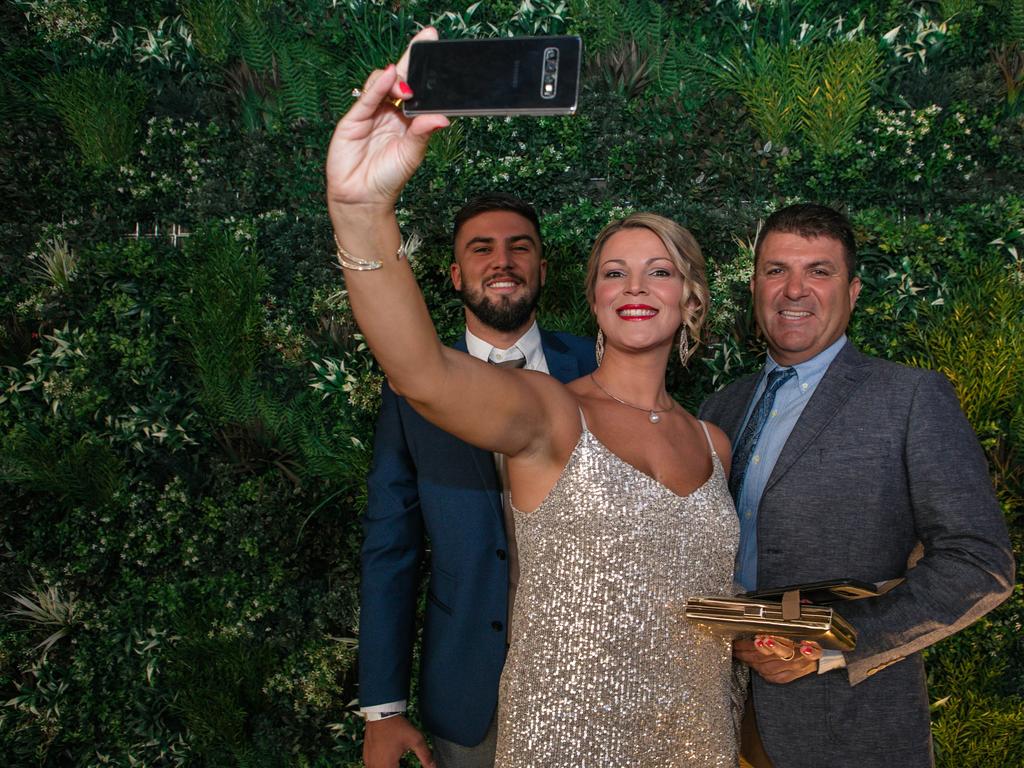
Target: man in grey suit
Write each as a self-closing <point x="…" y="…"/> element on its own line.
<point x="848" y="466"/>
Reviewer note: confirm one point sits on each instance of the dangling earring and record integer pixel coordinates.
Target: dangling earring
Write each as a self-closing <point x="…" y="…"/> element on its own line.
<point x="599" y="346"/>
<point x="684" y="346"/>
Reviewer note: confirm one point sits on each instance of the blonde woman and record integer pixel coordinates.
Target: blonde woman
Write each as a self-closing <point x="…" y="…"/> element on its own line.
<point x="620" y="497"/>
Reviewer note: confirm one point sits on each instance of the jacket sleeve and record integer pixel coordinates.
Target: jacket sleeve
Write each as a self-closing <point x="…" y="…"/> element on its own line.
<point x="391" y="552"/>
<point x="966" y="566"/>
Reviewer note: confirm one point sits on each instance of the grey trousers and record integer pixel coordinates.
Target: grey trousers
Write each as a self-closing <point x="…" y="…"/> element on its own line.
<point x="448" y="754"/>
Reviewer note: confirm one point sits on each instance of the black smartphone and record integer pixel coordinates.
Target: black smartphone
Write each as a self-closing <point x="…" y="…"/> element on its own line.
<point x="495" y="76"/>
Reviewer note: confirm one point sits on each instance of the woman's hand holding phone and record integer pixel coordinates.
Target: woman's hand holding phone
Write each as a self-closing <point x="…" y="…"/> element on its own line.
<point x="375" y="148"/>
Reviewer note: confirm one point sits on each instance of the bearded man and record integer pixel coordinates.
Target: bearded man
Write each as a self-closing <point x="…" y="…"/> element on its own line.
<point x="427" y="486"/>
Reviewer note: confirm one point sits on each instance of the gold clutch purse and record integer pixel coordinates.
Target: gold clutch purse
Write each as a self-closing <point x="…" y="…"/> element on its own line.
<point x="786" y="618"/>
<point x="793" y="611"/>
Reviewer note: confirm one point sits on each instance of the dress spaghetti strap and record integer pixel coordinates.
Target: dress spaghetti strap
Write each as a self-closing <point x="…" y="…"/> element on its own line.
<point x="707" y="434"/>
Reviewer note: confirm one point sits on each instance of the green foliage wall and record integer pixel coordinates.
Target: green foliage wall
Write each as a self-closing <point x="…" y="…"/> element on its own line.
<point x="185" y="403"/>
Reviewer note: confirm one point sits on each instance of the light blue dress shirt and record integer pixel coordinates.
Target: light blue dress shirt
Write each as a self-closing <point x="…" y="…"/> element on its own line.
<point x="789" y="404"/>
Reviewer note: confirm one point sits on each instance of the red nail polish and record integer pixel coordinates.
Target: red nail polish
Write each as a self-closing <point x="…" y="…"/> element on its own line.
<point x="806" y="649"/>
<point x="404" y="88"/>
<point x="770" y="643"/>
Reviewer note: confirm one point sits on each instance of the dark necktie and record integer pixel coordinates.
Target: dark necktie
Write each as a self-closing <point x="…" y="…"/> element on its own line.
<point x="755" y="425"/>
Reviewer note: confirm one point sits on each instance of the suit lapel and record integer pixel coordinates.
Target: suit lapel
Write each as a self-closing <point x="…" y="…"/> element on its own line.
<point x="840" y="380"/>
<point x="482" y="460"/>
<point x="562" y="364"/>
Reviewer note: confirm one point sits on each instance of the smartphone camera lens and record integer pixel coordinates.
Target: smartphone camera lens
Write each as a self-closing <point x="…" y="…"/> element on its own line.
<point x="550" y="74"/>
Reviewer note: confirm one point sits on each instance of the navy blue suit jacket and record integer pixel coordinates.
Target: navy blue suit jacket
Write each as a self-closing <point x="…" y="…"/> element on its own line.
<point x="424" y="483"/>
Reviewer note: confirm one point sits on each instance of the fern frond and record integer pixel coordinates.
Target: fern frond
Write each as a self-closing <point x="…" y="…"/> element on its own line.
<point x="255" y="36"/>
<point x="379" y="36"/>
<point x="831" y="113"/>
<point x="642" y="20"/>
<point x="301" y="62"/>
<point x="87" y="472"/>
<point x="221" y="319"/>
<point x="1014" y="15"/>
<point x="601" y="25"/>
<point x="18" y="99"/>
<point x="675" y="63"/>
<point x="337" y="84"/>
<point x="100" y="112"/>
<point x="977" y="340"/>
<point x="212" y="23"/>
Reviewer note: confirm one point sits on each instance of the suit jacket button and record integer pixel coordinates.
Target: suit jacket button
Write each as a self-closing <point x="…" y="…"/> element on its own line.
<point x="497" y="626"/>
<point x="501" y="554"/>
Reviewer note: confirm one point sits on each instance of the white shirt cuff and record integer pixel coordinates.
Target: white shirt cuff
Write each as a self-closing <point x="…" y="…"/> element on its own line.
<point x="375" y="711"/>
<point x="831" y="660"/>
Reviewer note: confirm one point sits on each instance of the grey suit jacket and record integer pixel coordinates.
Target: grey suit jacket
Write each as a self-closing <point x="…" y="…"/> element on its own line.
<point x="882" y="468"/>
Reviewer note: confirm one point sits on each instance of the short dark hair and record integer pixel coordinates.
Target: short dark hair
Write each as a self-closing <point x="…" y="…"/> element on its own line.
<point x="812" y="220"/>
<point x="495" y="201"/>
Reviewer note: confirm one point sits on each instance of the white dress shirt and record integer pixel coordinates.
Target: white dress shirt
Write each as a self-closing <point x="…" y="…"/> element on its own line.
<point x="528" y="345"/>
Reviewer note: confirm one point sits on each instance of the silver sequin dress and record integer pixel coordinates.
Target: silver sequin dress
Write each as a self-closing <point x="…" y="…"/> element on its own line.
<point x="603" y="670"/>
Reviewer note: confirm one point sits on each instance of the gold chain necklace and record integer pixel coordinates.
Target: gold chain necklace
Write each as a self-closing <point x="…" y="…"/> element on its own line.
<point x="652" y="416"/>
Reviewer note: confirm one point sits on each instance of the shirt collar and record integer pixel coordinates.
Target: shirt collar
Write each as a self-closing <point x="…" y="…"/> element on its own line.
<point x="529" y="345"/>
<point x="810" y="372"/>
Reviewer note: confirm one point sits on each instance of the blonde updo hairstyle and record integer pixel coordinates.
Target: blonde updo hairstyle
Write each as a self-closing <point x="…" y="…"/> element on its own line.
<point x="685" y="253"/>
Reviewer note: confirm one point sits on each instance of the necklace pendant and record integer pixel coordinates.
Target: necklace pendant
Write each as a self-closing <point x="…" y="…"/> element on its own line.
<point x="655" y="418"/>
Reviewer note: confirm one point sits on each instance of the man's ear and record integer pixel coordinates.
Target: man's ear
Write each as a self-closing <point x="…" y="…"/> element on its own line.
<point x="456" y="273"/>
<point x="855" y="286"/>
<point x="543" y="271"/>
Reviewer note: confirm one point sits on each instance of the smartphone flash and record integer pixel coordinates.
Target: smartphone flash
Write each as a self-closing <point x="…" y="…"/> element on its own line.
<point x="549" y="88"/>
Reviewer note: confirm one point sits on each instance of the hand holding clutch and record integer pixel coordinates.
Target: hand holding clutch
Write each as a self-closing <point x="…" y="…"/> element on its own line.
<point x="777" y="659"/>
<point x="786" y="649"/>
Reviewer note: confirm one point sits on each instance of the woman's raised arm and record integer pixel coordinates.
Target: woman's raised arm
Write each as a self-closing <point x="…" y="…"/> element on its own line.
<point x="374" y="151"/>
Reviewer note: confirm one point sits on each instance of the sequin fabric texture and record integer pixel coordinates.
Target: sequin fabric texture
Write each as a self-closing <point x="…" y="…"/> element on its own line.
<point x="603" y="670"/>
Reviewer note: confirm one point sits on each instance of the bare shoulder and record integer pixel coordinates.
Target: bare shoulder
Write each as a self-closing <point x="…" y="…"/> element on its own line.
<point x="548" y="388"/>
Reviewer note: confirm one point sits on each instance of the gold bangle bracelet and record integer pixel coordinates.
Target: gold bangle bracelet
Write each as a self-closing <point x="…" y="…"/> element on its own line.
<point x="348" y="261"/>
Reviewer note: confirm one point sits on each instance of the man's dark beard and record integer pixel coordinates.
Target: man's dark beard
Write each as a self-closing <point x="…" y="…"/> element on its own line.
<point x="505" y="315"/>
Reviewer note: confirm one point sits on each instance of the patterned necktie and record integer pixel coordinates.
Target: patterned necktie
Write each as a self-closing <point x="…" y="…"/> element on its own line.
<point x="515" y="362"/>
<point x="755" y="425"/>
